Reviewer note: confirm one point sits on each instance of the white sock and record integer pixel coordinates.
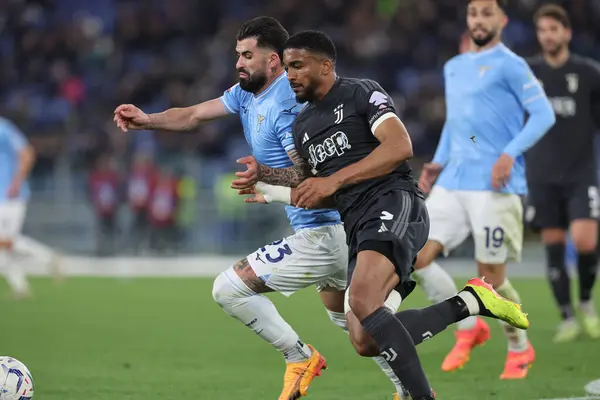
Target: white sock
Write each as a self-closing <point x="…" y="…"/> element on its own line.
<point x="39" y="251"/>
<point x="470" y="301"/>
<point x="438" y="285"/>
<point x="15" y="274"/>
<point x="258" y="313"/>
<point x="517" y="338"/>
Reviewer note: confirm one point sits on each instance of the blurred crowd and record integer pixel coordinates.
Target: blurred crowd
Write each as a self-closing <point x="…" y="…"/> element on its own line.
<point x="66" y="64"/>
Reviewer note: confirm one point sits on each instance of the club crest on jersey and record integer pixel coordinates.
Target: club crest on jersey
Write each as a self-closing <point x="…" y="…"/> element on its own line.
<point x="483" y="69"/>
<point x="339" y="113"/>
<point x="572" y="82"/>
<point x="259" y="121"/>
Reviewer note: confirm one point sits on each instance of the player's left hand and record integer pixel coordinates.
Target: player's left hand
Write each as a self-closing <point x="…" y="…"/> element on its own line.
<point x="501" y="171"/>
<point x="255" y="195"/>
<point x="313" y="191"/>
<point x="249" y="177"/>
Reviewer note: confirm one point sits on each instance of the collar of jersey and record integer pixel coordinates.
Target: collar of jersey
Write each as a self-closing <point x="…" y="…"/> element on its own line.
<point x="477" y="54"/>
<point x="271" y="85"/>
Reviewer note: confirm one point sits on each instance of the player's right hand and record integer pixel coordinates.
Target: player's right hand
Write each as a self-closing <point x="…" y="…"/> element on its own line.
<point x="128" y="116"/>
<point x="429" y="174"/>
<point x="249" y="177"/>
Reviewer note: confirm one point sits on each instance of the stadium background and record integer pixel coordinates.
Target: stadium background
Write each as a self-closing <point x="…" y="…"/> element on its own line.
<point x="66" y="64"/>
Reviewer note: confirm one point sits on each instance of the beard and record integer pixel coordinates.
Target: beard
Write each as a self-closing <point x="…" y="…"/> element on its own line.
<point x="308" y="94"/>
<point x="482" y="41"/>
<point x="254" y="82"/>
<point x="554" y="49"/>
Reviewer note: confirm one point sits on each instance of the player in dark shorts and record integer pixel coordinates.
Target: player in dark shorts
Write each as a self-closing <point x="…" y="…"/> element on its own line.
<point x="561" y="168"/>
<point x="356" y="150"/>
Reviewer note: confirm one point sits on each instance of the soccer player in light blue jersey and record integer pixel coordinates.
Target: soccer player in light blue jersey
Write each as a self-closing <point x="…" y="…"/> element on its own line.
<point x="16" y="160"/>
<point x="316" y="254"/>
<point x="480" y="172"/>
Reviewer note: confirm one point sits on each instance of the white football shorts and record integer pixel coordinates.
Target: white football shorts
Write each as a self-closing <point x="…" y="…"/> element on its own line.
<point x="494" y="219"/>
<point x="12" y="216"/>
<point x="311" y="256"/>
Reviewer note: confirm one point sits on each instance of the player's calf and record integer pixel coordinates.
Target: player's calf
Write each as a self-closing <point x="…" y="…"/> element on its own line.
<point x="238" y="293"/>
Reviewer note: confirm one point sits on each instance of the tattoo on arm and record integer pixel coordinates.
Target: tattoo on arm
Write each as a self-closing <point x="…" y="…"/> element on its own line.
<point x="290" y="177"/>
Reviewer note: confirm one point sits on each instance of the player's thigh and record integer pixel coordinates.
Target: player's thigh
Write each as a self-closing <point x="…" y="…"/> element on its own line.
<point x="315" y="256"/>
<point x="546" y="208"/>
<point x="449" y="223"/>
<point x="497" y="223"/>
<point x="396" y="226"/>
<point x="584" y="210"/>
<point x="12" y="216"/>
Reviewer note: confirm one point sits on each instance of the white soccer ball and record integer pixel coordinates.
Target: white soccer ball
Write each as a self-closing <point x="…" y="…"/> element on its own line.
<point x="16" y="382"/>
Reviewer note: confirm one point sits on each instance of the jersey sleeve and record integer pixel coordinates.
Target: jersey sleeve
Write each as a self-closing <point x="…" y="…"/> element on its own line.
<point x="374" y="103"/>
<point x="523" y="83"/>
<point x="528" y="90"/>
<point x="283" y="124"/>
<point x="232" y="99"/>
<point x="594" y="80"/>
<point x="13" y="136"/>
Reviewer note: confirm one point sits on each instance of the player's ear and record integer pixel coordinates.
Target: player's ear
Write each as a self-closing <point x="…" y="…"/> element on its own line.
<point x="326" y="67"/>
<point x="569" y="33"/>
<point x="274" y="60"/>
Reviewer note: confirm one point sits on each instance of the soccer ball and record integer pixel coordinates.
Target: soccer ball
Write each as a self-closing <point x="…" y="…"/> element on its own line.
<point x="15" y="380"/>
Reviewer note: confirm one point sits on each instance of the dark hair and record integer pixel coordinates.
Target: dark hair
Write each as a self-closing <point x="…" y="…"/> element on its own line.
<point x="267" y="31"/>
<point x="313" y="41"/>
<point x="553" y="11"/>
<point x="502" y="4"/>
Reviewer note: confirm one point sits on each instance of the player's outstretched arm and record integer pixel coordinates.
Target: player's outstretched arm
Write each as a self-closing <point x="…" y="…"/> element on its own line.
<point x="128" y="116"/>
<point x="394" y="149"/>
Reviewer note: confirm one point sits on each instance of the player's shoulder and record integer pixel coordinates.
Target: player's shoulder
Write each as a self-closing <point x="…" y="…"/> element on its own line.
<point x="535" y="61"/>
<point x="358" y="86"/>
<point x="7" y="126"/>
<point x="589" y="63"/>
<point x="510" y="58"/>
<point x="456" y="60"/>
<point x="240" y="94"/>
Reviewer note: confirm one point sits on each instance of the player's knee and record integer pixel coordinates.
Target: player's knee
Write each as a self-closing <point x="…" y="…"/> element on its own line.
<point x="224" y="290"/>
<point x="361" y="304"/>
<point x="585" y="244"/>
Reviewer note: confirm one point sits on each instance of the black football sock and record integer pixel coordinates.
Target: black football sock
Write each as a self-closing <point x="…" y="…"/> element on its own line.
<point x="587" y="264"/>
<point x="398" y="350"/>
<point x="424" y="323"/>
<point x="558" y="277"/>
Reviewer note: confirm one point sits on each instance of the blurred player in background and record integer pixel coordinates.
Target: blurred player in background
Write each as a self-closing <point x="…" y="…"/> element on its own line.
<point x="355" y="151"/>
<point x="480" y="174"/>
<point x="316" y="254"/>
<point x="16" y="160"/>
<point x="561" y="169"/>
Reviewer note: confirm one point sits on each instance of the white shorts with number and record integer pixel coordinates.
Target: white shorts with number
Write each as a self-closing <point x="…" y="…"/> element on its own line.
<point x="494" y="219"/>
<point x="311" y="256"/>
<point x="12" y="215"/>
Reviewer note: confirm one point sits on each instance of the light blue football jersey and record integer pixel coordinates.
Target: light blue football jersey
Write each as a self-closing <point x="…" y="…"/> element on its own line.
<point x="488" y="95"/>
<point x="12" y="142"/>
<point x="267" y="120"/>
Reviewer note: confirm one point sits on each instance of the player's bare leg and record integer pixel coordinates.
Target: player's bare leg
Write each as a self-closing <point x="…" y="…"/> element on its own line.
<point x="439" y="286"/>
<point x="15" y="275"/>
<point x="584" y="233"/>
<point x="239" y="292"/>
<point x="554" y="240"/>
<point x="41" y="253"/>
<point x="520" y="352"/>
<point x="374" y="277"/>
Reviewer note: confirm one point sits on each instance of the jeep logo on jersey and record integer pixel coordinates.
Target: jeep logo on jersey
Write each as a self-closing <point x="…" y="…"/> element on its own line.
<point x="334" y="145"/>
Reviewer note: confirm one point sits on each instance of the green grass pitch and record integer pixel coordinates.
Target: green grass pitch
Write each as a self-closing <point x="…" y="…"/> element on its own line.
<point x="155" y="339"/>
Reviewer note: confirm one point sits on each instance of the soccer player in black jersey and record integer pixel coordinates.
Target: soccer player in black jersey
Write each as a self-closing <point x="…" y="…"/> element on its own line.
<point x="355" y="150"/>
<point x="561" y="168"/>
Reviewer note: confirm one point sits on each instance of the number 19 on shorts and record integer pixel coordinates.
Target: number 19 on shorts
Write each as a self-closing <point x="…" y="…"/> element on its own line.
<point x="494" y="237"/>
